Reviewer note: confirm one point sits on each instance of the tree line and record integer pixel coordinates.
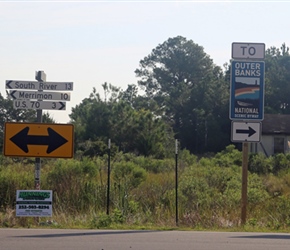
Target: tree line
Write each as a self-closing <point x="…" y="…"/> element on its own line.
<point x="181" y="94"/>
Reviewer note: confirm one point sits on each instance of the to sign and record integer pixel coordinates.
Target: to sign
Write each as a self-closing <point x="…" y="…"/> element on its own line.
<point x="247" y="90"/>
<point x="38" y="140"/>
<point x="248" y="51"/>
<point x="246" y="131"/>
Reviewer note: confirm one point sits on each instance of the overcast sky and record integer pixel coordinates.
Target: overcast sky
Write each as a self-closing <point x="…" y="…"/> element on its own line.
<point x="92" y="42"/>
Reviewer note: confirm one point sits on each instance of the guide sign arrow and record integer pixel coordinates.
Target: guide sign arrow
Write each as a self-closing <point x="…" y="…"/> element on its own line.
<point x="53" y="140"/>
<point x="246" y="131"/>
<point x="38" y="140"/>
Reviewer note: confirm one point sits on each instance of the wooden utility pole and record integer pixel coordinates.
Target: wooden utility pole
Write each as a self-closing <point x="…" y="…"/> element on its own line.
<point x="244" y="183"/>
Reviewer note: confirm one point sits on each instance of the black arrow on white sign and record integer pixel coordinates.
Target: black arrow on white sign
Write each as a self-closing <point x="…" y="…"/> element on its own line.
<point x="248" y="131"/>
<point x="53" y="140"/>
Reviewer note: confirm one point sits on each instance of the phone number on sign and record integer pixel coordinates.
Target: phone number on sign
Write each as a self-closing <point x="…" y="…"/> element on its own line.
<point x="33" y="207"/>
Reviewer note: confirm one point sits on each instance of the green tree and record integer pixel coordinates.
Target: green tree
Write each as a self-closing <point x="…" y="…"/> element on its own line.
<point x="190" y="91"/>
<point x="130" y="129"/>
<point x="277" y="80"/>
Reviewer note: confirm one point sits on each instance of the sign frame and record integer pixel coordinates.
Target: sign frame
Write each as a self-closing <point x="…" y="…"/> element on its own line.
<point x="247" y="92"/>
<point x="47" y="140"/>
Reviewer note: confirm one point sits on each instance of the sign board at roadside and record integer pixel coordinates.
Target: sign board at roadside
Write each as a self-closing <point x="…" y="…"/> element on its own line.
<point x="38" y="140"/>
<point x="34" y="203"/>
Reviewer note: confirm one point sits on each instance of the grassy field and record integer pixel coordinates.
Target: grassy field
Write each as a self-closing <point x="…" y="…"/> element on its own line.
<point x="142" y="192"/>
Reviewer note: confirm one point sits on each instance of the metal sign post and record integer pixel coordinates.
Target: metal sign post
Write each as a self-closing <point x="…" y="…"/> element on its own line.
<point x="40" y="76"/>
<point x="109" y="173"/>
<point x="176" y="182"/>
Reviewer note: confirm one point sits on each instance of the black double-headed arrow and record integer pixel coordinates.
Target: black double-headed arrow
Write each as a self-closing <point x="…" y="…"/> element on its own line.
<point x="53" y="140"/>
<point x="248" y="131"/>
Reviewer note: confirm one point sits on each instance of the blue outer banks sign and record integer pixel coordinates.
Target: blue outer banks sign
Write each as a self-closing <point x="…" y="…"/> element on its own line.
<point x="247" y="90"/>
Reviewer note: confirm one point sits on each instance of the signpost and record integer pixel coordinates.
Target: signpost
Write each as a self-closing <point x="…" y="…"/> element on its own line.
<point x="246" y="102"/>
<point x="37" y="139"/>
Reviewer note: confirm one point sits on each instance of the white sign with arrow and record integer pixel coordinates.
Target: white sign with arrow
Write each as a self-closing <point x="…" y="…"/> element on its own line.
<point x="246" y="131"/>
<point x="39" y="95"/>
<point x="29" y="104"/>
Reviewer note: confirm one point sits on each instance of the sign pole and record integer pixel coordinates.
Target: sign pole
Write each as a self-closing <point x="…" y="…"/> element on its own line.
<point x="176" y="182"/>
<point x="41" y="77"/>
<point x="109" y="173"/>
<point x="244" y="183"/>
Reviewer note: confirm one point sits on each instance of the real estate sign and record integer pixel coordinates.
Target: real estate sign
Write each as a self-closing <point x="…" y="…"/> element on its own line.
<point x="34" y="203"/>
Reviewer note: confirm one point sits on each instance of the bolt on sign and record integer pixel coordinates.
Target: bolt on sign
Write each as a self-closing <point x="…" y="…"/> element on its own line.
<point x="38" y="140"/>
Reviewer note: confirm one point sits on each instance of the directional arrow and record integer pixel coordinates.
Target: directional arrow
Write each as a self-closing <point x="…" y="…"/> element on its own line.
<point x="53" y="140"/>
<point x="249" y="131"/>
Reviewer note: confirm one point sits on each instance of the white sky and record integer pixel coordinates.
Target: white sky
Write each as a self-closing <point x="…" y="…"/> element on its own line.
<point x="92" y="42"/>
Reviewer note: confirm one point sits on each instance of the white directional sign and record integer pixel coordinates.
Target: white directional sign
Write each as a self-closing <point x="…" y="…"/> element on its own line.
<point x="248" y="51"/>
<point x="246" y="131"/>
<point x="29" y="104"/>
<point x="40" y="95"/>
<point x="33" y="85"/>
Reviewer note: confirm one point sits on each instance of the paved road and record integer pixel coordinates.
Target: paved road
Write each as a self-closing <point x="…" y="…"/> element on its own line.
<point x="45" y="239"/>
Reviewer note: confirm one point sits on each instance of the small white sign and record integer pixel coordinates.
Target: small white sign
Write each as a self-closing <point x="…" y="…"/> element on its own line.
<point x="246" y="131"/>
<point x="248" y="51"/>
<point x="39" y="95"/>
<point x="33" y="85"/>
<point x="34" y="203"/>
<point x="30" y="104"/>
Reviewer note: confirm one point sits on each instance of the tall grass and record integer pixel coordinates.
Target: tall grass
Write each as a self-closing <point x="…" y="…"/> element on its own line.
<point x="142" y="191"/>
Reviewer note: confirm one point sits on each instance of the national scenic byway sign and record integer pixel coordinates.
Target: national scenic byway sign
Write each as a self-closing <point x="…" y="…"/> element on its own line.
<point x="247" y="90"/>
<point x="38" y="140"/>
<point x="246" y="131"/>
